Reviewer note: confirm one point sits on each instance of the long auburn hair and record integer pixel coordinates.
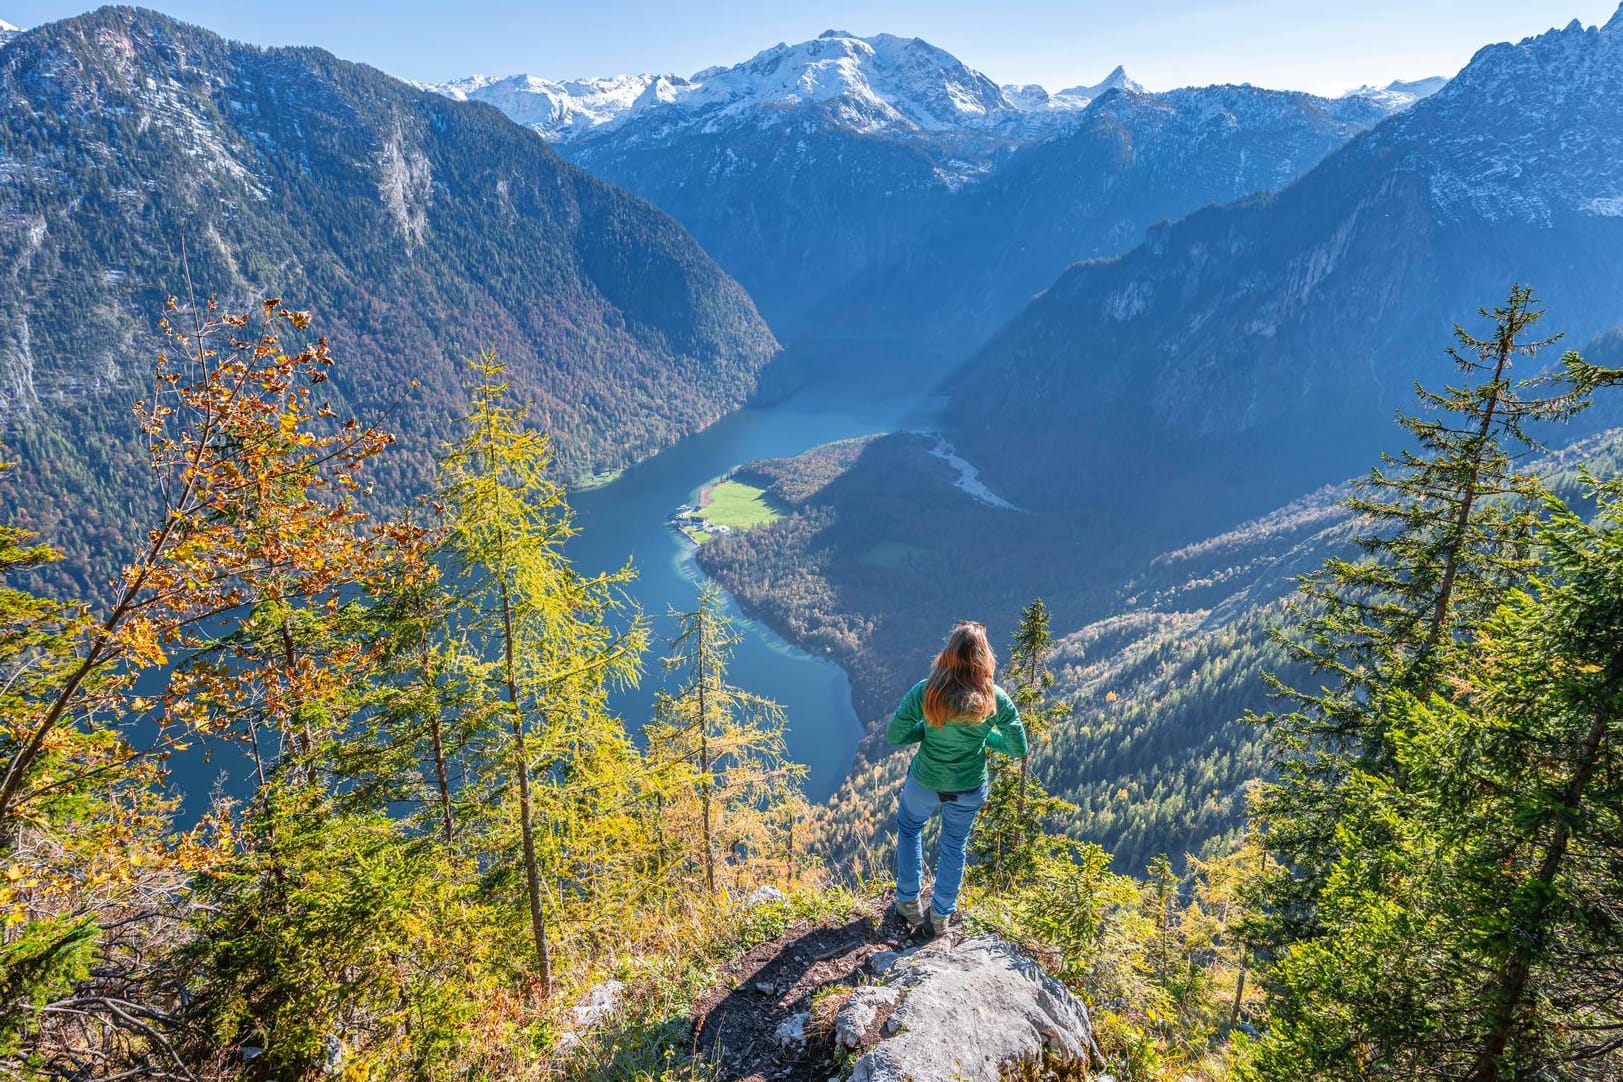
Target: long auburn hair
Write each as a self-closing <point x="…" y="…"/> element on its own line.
<point x="960" y="685"/>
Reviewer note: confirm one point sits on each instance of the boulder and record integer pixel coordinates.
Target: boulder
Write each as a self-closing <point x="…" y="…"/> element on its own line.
<point x="962" y="1012"/>
<point x="766" y="895"/>
<point x="600" y="1001"/>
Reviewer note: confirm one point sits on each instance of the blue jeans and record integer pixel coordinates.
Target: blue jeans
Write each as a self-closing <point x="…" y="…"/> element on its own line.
<point x="957" y="820"/>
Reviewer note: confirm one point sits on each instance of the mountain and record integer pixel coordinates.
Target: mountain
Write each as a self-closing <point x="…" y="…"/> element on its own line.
<point x="1116" y="80"/>
<point x="7" y="31"/>
<point x="903" y="87"/>
<point x="1133" y="160"/>
<point x="1251" y="352"/>
<point x="879" y="190"/>
<point x="806" y="163"/>
<point x="419" y="230"/>
<point x="1399" y="94"/>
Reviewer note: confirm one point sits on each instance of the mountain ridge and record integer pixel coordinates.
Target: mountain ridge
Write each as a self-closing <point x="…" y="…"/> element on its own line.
<point x="812" y="169"/>
<point x="416" y="227"/>
<point x="886" y="83"/>
<point x="1199" y="346"/>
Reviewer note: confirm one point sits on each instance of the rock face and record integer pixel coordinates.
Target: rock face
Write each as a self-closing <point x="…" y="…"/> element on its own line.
<point x="962" y="1012"/>
<point x="1251" y="352"/>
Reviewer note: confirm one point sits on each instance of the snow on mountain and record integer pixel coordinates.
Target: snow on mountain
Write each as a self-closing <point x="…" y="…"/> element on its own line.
<point x="1036" y="101"/>
<point x="7" y="30"/>
<point x="884" y="83"/>
<point x="1116" y="80"/>
<point x="1398" y="94"/>
<point x="1547" y="99"/>
<point x="561" y="110"/>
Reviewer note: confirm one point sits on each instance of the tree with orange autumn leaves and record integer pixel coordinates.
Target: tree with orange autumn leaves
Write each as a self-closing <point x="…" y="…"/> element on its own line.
<point x="442" y="823"/>
<point x="258" y="534"/>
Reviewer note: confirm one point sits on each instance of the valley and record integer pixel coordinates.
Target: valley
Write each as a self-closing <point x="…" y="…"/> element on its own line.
<point x="463" y="539"/>
<point x="629" y="518"/>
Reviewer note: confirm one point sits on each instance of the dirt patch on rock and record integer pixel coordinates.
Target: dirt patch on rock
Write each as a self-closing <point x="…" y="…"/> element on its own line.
<point x="746" y="1027"/>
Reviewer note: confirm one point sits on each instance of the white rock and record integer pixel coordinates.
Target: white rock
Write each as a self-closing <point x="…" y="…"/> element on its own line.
<point x="883" y="962"/>
<point x="600" y="1001"/>
<point x="763" y="896"/>
<point x="964" y="1012"/>
<point x="857" y="1014"/>
<point x="791" y="1032"/>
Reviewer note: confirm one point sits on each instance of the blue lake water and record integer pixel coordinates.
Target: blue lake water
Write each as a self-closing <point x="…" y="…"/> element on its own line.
<point x="629" y="517"/>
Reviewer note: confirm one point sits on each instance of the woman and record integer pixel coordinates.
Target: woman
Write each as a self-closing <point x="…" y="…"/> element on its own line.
<point x="953" y="716"/>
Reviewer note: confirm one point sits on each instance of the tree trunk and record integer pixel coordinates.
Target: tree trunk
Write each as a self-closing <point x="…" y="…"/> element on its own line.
<point x="532" y="873"/>
<point x="1515" y="971"/>
<point x="436" y="733"/>
<point x="1462" y="520"/>
<point x="704" y="759"/>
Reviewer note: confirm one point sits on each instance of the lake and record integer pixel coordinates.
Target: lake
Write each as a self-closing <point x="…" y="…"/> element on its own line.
<point x="629" y="517"/>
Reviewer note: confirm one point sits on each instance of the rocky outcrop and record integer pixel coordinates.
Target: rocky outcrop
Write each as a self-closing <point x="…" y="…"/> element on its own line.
<point x="869" y="1000"/>
<point x="961" y="1012"/>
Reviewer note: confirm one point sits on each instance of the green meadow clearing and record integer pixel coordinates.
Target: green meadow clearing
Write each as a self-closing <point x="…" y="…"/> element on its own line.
<point x="737" y="505"/>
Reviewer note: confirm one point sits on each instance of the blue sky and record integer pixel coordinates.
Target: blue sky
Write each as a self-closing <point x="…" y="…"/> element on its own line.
<point x="1296" y="44"/>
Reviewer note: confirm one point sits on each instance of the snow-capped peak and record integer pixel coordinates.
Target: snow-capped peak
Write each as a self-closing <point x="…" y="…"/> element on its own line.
<point x="879" y="83"/>
<point x="1116" y="80"/>
<point x="560" y="110"/>
<point x="1398" y="94"/>
<point x="876" y="82"/>
<point x="7" y="29"/>
<point x="1032" y="99"/>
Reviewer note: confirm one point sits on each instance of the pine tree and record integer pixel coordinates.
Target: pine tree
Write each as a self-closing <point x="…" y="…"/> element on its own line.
<point x="552" y="633"/>
<point x="1011" y="834"/>
<point x="420" y="739"/>
<point x="722" y="748"/>
<point x="1480" y="941"/>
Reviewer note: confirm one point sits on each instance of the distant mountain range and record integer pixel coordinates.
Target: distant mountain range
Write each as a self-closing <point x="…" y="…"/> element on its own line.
<point x="1399" y="94"/>
<point x="420" y="230"/>
<point x="881" y="188"/>
<point x="1250" y="352"/>
<point x="895" y="86"/>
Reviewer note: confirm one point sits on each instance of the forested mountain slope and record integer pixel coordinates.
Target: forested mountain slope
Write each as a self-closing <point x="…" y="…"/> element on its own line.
<point x="1249" y="353"/>
<point x="1159" y="658"/>
<point x="1135" y="159"/>
<point x="421" y="229"/>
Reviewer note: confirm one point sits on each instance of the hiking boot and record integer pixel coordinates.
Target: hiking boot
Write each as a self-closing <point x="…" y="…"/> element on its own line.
<point x="939" y="922"/>
<point x="911" y="912"/>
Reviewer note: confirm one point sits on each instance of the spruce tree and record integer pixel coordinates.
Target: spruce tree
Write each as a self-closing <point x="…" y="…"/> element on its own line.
<point x="421" y="738"/>
<point x="1445" y="528"/>
<point x="1479" y="938"/>
<point x="1012" y="835"/>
